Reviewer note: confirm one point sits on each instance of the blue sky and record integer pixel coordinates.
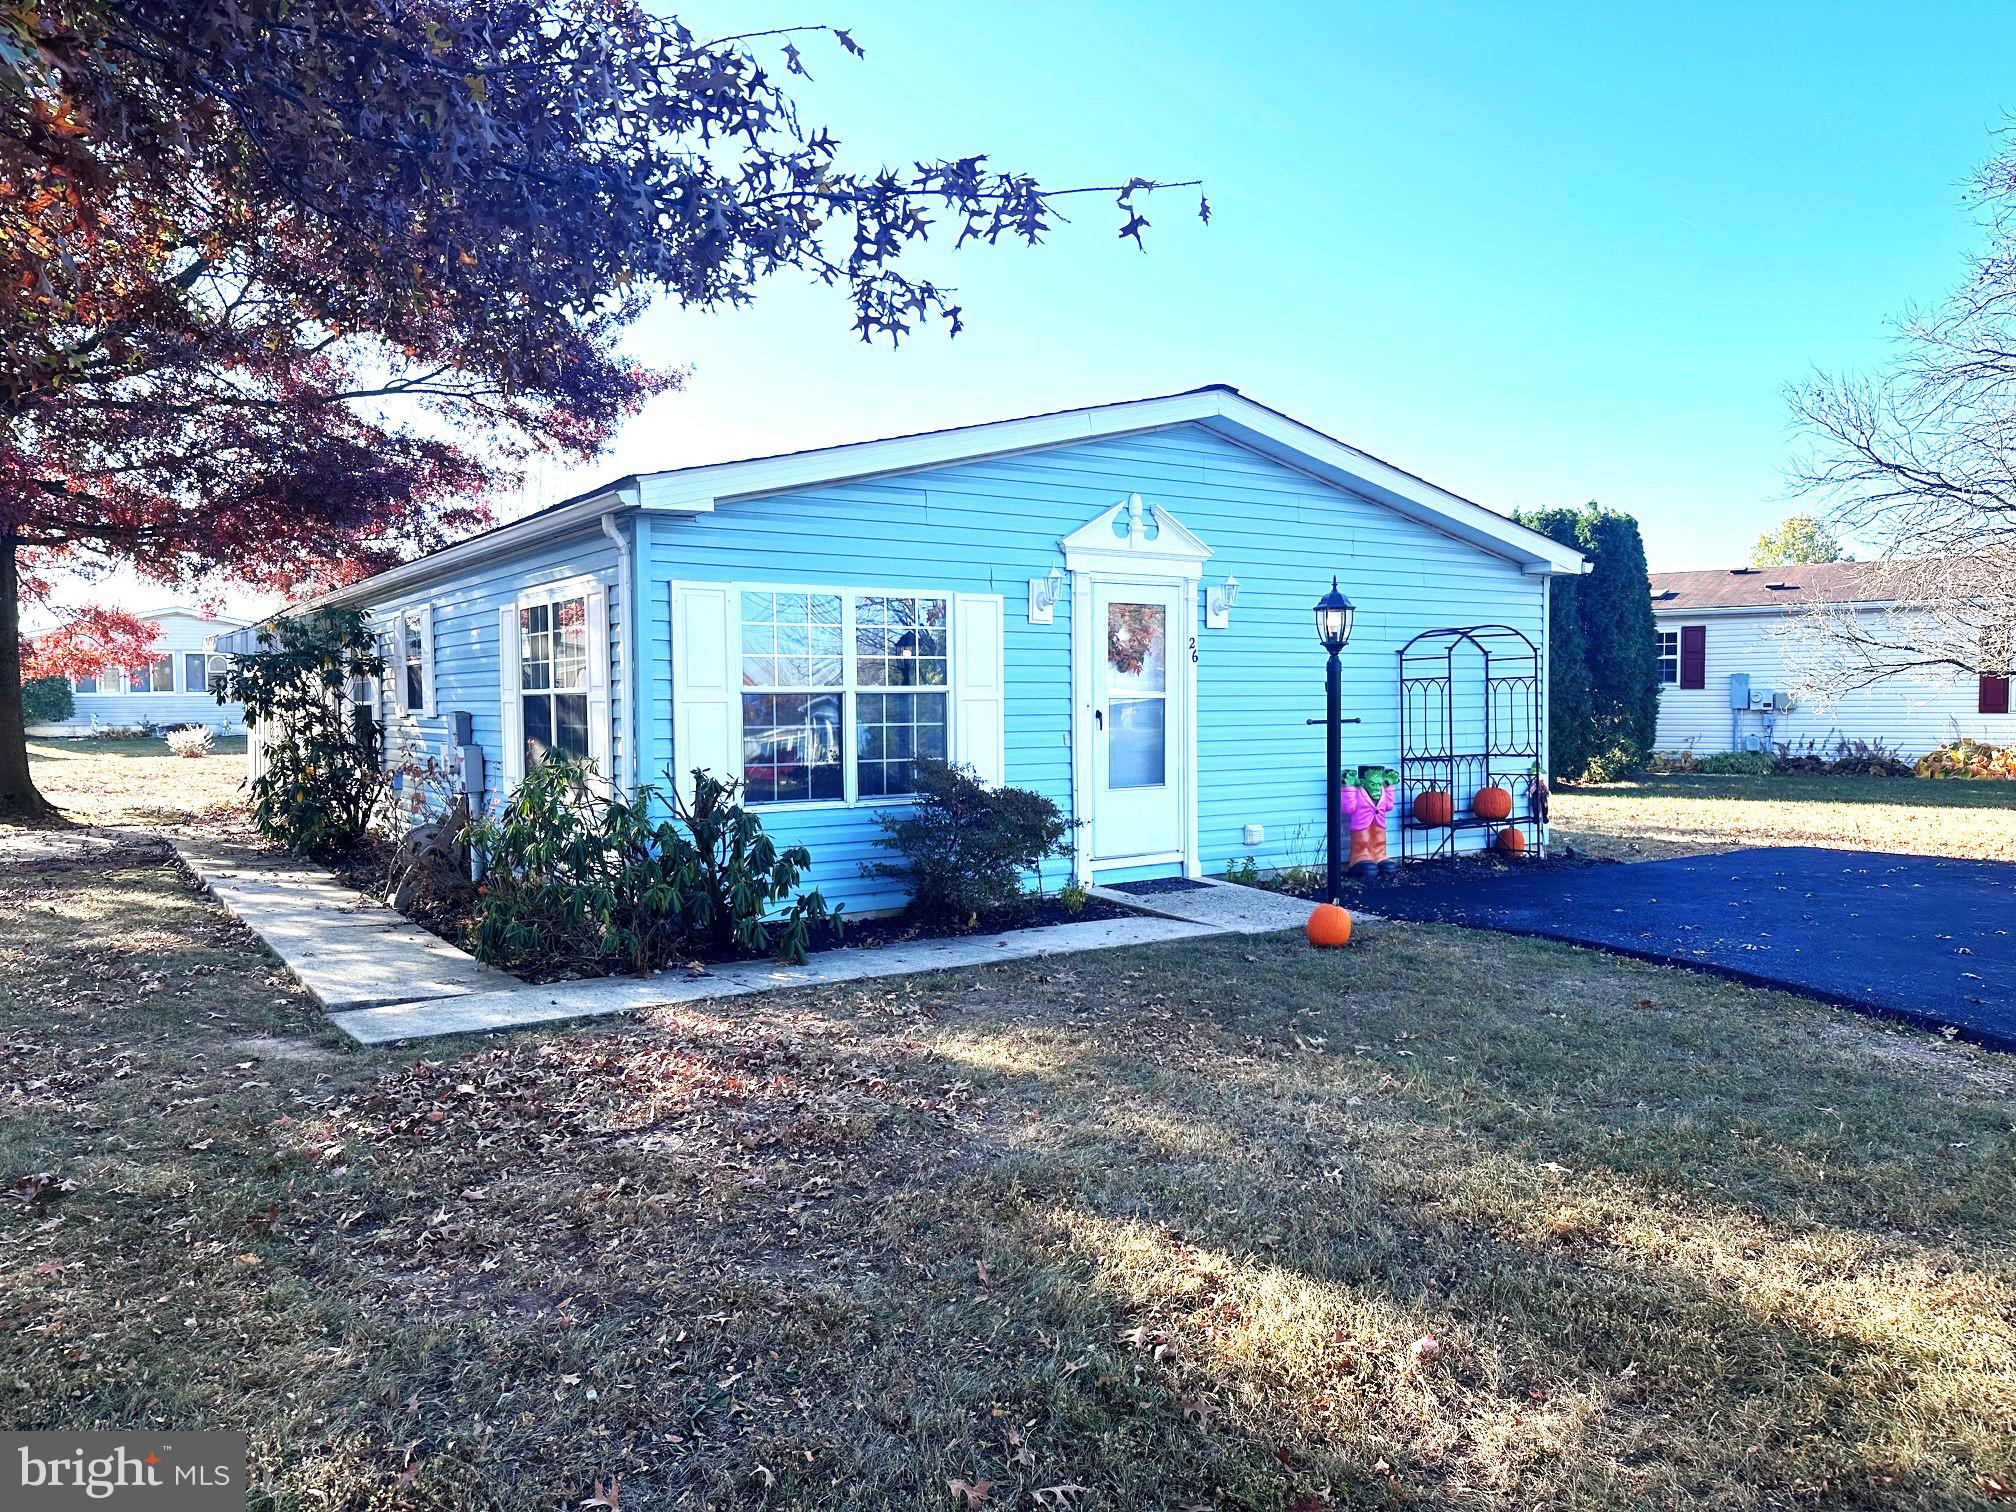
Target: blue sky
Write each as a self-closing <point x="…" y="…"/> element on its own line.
<point x="1538" y="254"/>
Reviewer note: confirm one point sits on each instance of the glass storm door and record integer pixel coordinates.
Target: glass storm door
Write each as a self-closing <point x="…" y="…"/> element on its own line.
<point x="1137" y="721"/>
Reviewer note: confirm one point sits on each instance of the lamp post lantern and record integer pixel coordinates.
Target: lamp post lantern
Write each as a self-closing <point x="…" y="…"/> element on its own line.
<point x="1334" y="614"/>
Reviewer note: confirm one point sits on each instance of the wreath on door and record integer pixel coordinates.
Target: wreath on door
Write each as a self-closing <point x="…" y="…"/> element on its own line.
<point x="1132" y="631"/>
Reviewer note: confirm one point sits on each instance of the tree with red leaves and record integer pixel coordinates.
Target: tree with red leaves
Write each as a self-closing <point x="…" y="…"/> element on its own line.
<point x="90" y="644"/>
<point x="290" y="288"/>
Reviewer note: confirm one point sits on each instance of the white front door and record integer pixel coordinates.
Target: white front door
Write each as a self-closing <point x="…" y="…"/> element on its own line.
<point x="1139" y="683"/>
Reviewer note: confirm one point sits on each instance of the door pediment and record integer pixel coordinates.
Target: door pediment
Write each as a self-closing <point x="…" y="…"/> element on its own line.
<point x="1137" y="537"/>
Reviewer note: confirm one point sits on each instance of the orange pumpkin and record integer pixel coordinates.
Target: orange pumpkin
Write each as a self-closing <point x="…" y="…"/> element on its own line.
<point x="1329" y="926"/>
<point x="1433" y="808"/>
<point x="1492" y="803"/>
<point x="1511" y="841"/>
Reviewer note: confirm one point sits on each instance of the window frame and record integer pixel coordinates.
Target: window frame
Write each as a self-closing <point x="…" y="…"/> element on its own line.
<point x="215" y="664"/>
<point x="583" y="587"/>
<point x="849" y="688"/>
<point x="412" y="658"/>
<point x="126" y="677"/>
<point x="1664" y="657"/>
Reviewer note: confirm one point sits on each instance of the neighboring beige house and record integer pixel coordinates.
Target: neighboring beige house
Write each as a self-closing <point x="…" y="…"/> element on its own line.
<point x="172" y="689"/>
<point x="1725" y="650"/>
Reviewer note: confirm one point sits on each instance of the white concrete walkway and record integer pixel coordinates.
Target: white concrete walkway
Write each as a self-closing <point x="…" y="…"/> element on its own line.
<point x="385" y="979"/>
<point x="518" y="1005"/>
<point x="347" y="950"/>
<point x="1222" y="906"/>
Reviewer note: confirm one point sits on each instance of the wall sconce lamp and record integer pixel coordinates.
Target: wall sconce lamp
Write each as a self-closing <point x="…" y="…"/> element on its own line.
<point x="1043" y="595"/>
<point x="1219" y="601"/>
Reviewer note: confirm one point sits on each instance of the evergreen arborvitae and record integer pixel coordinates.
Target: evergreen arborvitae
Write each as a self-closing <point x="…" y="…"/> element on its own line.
<point x="1622" y="640"/>
<point x="1603" y="659"/>
<point x="1570" y="711"/>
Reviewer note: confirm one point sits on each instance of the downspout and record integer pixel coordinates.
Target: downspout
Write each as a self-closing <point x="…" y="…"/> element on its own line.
<point x="627" y="767"/>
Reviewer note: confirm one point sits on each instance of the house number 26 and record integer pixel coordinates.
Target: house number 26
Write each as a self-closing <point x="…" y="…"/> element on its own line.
<point x="1193" y="650"/>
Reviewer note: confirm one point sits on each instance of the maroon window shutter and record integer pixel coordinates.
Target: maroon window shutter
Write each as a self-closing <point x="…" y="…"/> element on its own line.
<point x="1693" y="656"/>
<point x="1994" y="697"/>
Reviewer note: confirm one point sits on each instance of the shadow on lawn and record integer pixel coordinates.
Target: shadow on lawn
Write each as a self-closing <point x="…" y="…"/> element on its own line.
<point x="1164" y="1223"/>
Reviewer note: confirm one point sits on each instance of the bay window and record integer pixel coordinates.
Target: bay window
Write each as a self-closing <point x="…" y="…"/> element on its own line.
<point x="841" y="692"/>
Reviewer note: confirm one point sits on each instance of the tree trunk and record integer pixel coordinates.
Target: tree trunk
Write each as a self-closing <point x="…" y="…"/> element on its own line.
<point x="18" y="796"/>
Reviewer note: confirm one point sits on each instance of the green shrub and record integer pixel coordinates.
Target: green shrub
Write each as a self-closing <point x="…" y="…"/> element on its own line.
<point x="965" y="847"/>
<point x="1602" y="655"/>
<point x="322" y="782"/>
<point x="1738" y="764"/>
<point x="578" y="879"/>
<point x="47" y="700"/>
<point x="1614" y="763"/>
<point x="1245" y="872"/>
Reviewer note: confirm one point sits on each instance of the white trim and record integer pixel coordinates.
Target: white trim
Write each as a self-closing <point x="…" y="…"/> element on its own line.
<point x="1085" y="644"/>
<point x="976" y="662"/>
<point x="848" y="686"/>
<point x="1174" y="551"/>
<point x="626" y="602"/>
<point x="426" y="614"/>
<point x="1222" y="411"/>
<point x="510" y="713"/>
<point x="589" y="588"/>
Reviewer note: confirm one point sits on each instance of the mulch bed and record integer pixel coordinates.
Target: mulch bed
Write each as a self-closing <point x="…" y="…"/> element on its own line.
<point x="1479" y="866"/>
<point x="453" y="918"/>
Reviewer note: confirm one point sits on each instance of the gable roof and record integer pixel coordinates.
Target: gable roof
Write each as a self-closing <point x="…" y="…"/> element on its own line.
<point x="1783" y="587"/>
<point x="1219" y="408"/>
<point x="190" y="611"/>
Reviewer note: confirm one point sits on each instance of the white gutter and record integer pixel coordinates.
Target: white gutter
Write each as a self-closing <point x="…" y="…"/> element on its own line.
<point x="627" y="768"/>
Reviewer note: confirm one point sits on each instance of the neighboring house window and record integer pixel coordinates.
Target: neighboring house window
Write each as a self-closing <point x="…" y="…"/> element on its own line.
<point x="552" y="677"/>
<point x="157" y="676"/>
<point x="1997" y="652"/>
<point x="202" y="673"/>
<point x="84" y="684"/>
<point x="815" y="664"/>
<point x="1693" y="656"/>
<point x="1669" y="656"/>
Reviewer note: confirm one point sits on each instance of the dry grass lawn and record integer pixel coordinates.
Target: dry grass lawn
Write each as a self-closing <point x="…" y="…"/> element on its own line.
<point x="1444" y="1220"/>
<point x="1656" y="817"/>
<point x="135" y="781"/>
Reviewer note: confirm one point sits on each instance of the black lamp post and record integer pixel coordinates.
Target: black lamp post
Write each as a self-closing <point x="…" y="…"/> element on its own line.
<point x="1333" y="628"/>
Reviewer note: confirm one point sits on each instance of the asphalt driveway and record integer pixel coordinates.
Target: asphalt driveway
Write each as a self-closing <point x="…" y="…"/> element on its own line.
<point x="1928" y="939"/>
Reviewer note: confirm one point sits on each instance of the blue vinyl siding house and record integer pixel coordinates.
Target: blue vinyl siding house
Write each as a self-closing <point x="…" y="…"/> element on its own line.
<point x="1110" y="605"/>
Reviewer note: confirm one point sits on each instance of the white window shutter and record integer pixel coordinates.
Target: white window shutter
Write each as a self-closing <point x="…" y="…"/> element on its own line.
<point x="979" y="682"/>
<point x="426" y="613"/>
<point x="509" y="708"/>
<point x="390" y="693"/>
<point x="706" y="717"/>
<point x="599" y="723"/>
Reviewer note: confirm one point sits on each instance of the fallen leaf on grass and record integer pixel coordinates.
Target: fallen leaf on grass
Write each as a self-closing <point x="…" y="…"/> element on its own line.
<point x="970" y="1493"/>
<point x="608" y="1496"/>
